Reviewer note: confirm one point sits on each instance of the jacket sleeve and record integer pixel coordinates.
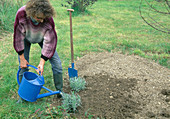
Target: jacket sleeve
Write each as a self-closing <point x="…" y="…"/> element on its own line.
<point x="19" y="35"/>
<point x="50" y="42"/>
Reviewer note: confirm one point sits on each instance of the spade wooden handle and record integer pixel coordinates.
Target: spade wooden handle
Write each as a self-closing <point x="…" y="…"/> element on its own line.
<point x="71" y="35"/>
<point x="71" y="10"/>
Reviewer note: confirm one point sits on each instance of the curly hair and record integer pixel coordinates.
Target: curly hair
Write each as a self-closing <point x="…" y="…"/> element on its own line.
<point x="35" y="7"/>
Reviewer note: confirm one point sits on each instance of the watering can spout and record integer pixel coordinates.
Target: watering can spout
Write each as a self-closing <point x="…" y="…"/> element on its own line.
<point x="48" y="94"/>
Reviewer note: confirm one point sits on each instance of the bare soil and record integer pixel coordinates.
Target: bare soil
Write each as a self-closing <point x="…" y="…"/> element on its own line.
<point x="122" y="87"/>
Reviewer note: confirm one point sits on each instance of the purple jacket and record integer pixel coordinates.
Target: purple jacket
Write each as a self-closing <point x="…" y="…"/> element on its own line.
<point x="43" y="32"/>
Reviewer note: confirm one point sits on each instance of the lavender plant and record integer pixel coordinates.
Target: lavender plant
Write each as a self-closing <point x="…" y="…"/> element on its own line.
<point x="71" y="102"/>
<point x="77" y="83"/>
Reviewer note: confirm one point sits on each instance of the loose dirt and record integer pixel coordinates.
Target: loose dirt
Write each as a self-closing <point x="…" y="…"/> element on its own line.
<point x="122" y="87"/>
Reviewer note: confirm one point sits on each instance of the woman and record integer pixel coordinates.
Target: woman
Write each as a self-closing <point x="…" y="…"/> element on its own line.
<point x="34" y="24"/>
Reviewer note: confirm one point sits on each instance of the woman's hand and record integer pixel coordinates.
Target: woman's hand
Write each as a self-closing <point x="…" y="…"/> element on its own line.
<point x="23" y="62"/>
<point x="41" y="66"/>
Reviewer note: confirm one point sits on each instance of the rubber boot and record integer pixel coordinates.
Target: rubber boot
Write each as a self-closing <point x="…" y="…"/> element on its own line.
<point x="58" y="82"/>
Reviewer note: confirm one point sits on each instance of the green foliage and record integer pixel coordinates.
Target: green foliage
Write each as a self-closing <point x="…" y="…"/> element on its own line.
<point x="79" y="5"/>
<point x="139" y="52"/>
<point x="37" y="114"/>
<point x="88" y="115"/>
<point x="163" y="62"/>
<point x="77" y="83"/>
<point x="71" y="102"/>
<point x="8" y="9"/>
<point x="50" y="112"/>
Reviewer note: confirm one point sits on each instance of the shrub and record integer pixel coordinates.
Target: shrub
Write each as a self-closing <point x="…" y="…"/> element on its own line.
<point x="79" y="5"/>
<point x="71" y="102"/>
<point x="77" y="84"/>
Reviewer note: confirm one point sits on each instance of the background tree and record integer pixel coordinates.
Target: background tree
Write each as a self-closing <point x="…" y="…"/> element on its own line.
<point x="78" y="5"/>
<point x="149" y="9"/>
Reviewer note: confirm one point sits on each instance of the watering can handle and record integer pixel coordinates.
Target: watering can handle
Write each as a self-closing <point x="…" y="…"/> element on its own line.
<point x="20" y="70"/>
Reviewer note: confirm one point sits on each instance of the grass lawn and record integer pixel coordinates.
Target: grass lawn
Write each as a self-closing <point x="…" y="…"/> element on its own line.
<point x="107" y="26"/>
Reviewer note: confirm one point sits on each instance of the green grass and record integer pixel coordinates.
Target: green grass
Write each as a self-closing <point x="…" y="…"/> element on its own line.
<point x="107" y="26"/>
<point x="8" y="10"/>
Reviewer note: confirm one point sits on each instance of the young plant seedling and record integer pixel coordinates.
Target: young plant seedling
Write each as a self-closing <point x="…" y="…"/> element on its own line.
<point x="77" y="84"/>
<point x="71" y="102"/>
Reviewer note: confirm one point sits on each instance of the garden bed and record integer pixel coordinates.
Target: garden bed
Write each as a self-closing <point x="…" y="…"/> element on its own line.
<point x="122" y="86"/>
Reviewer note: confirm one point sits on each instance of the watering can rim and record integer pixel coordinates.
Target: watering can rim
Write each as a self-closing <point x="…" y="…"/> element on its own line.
<point x="31" y="72"/>
<point x="38" y="81"/>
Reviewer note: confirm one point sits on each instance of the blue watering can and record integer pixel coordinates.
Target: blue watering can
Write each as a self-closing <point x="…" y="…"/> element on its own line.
<point x="31" y="85"/>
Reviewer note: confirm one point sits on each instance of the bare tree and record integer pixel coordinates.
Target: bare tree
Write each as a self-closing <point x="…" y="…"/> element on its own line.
<point x="155" y="17"/>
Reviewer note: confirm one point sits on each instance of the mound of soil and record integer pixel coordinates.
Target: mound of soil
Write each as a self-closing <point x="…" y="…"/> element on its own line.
<point x="122" y="86"/>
